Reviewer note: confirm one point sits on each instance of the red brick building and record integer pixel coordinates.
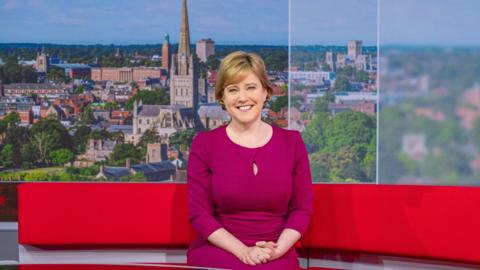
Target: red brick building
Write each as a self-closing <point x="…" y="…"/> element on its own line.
<point x="126" y="74"/>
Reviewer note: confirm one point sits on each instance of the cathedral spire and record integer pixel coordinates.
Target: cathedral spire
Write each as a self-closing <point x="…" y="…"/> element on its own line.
<point x="184" y="37"/>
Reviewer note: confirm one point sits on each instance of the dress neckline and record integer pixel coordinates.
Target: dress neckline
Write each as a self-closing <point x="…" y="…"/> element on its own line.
<point x="246" y="147"/>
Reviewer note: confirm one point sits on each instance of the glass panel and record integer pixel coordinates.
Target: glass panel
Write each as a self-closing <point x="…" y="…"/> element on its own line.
<point x="8" y="202"/>
<point x="429" y="92"/>
<point x="333" y="96"/>
<point x="73" y="112"/>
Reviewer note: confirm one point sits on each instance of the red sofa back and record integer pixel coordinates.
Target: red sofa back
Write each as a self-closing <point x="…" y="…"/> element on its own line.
<point x="419" y="221"/>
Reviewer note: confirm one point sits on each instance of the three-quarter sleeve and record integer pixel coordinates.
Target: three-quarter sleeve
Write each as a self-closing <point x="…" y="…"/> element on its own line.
<point x="301" y="203"/>
<point x="200" y="201"/>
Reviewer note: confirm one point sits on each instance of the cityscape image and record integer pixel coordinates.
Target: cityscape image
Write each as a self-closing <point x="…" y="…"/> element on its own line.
<point x="91" y="92"/>
<point x="126" y="107"/>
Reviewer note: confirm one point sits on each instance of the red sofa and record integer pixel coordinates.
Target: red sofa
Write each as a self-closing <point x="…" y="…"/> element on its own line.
<point x="428" y="222"/>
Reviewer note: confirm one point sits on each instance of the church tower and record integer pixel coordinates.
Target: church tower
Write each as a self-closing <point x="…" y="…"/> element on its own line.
<point x="166" y="53"/>
<point x="42" y="62"/>
<point x="183" y="71"/>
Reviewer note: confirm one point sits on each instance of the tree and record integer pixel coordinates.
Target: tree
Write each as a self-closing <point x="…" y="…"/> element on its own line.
<point x="212" y="62"/>
<point x="6" y="156"/>
<point x="321" y="103"/>
<point x="111" y="106"/>
<point x="80" y="138"/>
<point x="158" y="97"/>
<point x="61" y="156"/>
<point x="12" y="72"/>
<point x="54" y="128"/>
<point x="44" y="143"/>
<point x="17" y="136"/>
<point x="150" y="136"/>
<point x="182" y="138"/>
<point x="87" y="117"/>
<point x="279" y="103"/>
<point x="121" y="152"/>
<point x="57" y="75"/>
<point x="342" y="84"/>
<point x="361" y="76"/>
<point x="117" y="136"/>
<point x="27" y="153"/>
<point x="326" y="67"/>
<point x="319" y="167"/>
<point x="79" y="90"/>
<point x="12" y="119"/>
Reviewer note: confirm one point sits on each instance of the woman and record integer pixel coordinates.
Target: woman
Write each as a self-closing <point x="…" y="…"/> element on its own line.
<point x="249" y="183"/>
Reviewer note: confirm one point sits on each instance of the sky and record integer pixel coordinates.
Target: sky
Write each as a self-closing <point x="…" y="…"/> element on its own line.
<point x="430" y="22"/>
<point x="242" y="22"/>
<point x="333" y="22"/>
<point x="143" y="21"/>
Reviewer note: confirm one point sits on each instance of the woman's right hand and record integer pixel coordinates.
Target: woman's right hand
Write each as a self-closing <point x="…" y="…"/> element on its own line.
<point x="255" y="255"/>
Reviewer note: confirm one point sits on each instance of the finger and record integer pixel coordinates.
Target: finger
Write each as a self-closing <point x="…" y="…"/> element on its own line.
<point x="250" y="261"/>
<point x="267" y="250"/>
<point x="267" y="256"/>
<point x="255" y="260"/>
<point x="260" y="243"/>
<point x="273" y="243"/>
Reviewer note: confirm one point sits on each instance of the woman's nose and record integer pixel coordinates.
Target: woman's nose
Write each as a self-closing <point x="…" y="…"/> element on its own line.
<point x="243" y="95"/>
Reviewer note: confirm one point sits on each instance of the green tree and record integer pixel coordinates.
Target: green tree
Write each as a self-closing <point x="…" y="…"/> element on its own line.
<point x="12" y="72"/>
<point x="27" y="153"/>
<point x="43" y="143"/>
<point x="149" y="136"/>
<point x="212" y="62"/>
<point x="61" y="156"/>
<point x="361" y="76"/>
<point x="6" y="156"/>
<point x="79" y="90"/>
<point x="117" y="136"/>
<point x="182" y="138"/>
<point x="57" y="75"/>
<point x="279" y="103"/>
<point x="87" y="117"/>
<point x="55" y="129"/>
<point x="326" y="67"/>
<point x="121" y="152"/>
<point x="80" y="138"/>
<point x="321" y="103"/>
<point x="111" y="106"/>
<point x="342" y="84"/>
<point x="17" y="136"/>
<point x="158" y="97"/>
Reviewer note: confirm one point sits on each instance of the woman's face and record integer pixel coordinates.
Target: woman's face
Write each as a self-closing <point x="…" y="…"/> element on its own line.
<point x="244" y="100"/>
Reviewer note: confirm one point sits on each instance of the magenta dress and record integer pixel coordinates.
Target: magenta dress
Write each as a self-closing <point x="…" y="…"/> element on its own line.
<point x="224" y="192"/>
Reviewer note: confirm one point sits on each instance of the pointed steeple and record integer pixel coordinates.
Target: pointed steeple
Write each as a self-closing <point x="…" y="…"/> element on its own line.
<point x="184" y="37"/>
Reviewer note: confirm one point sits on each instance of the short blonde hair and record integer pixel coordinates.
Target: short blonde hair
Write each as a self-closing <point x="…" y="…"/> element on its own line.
<point x="234" y="68"/>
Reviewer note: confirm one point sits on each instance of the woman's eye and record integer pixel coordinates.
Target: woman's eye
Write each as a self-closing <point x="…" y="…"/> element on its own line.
<point x="231" y="90"/>
<point x="251" y="88"/>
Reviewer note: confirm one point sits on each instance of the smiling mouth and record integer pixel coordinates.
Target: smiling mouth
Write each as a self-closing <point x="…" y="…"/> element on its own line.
<point x="245" y="108"/>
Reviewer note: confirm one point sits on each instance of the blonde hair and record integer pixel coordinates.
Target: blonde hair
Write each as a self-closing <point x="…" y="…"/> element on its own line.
<point x="235" y="67"/>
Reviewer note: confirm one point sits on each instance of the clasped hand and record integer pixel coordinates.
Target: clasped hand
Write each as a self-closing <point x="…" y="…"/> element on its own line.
<point x="262" y="252"/>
